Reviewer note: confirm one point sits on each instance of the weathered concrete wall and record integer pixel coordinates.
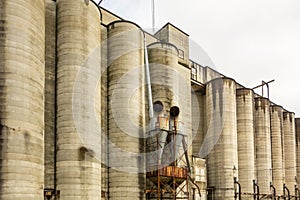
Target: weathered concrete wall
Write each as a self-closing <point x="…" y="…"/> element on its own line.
<point x="104" y="110"/>
<point x="221" y="136"/>
<point x="199" y="168"/>
<point x="50" y="70"/>
<point x="170" y="85"/>
<point x="245" y="131"/>
<point x="78" y="100"/>
<point x="289" y="149"/>
<point x="297" y="129"/>
<point x="198" y="121"/>
<point x="170" y="33"/>
<point x="22" y="76"/>
<point x="278" y="171"/>
<point x="262" y="137"/>
<point x="126" y="105"/>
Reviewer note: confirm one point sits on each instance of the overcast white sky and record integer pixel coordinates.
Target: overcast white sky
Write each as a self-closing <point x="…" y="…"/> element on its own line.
<point x="248" y="40"/>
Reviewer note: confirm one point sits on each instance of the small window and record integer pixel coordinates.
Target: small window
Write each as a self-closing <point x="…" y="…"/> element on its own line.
<point x="181" y="54"/>
<point x="194" y="72"/>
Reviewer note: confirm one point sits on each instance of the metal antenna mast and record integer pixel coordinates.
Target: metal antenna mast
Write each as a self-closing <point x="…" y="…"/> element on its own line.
<point x="262" y="87"/>
<point x="153" y="16"/>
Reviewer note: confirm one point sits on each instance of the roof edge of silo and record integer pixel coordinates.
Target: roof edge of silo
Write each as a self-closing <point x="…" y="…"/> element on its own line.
<point x="221" y="78"/>
<point x="164" y="43"/>
<point x="244" y="88"/>
<point x="126" y="21"/>
<point x="98" y="7"/>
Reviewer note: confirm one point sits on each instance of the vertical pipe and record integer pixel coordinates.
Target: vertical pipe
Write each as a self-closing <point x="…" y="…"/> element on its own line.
<point x="289" y="149"/>
<point x="222" y="133"/>
<point x="262" y="144"/>
<point x="126" y="105"/>
<point x="78" y="100"/>
<point x="148" y="83"/>
<point x="22" y="75"/>
<point x="276" y="113"/>
<point x="245" y="135"/>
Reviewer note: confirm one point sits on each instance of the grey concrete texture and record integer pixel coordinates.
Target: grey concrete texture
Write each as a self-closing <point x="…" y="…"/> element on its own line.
<point x="262" y="137"/>
<point x="222" y="136"/>
<point x="126" y="101"/>
<point x="278" y="171"/>
<point x="78" y="100"/>
<point x="104" y="116"/>
<point x="50" y="74"/>
<point x="22" y="73"/>
<point x="289" y="149"/>
<point x="198" y="121"/>
<point x="66" y="76"/>
<point x="245" y="135"/>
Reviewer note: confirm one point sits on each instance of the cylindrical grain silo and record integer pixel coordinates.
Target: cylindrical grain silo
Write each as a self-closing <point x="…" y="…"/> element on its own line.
<point x="245" y="131"/>
<point x="78" y="100"/>
<point x="277" y="148"/>
<point x="163" y="58"/>
<point x="50" y="74"/>
<point x="297" y="130"/>
<point x="22" y="75"/>
<point x="289" y="149"/>
<point x="262" y="140"/>
<point x="170" y="83"/>
<point x="221" y="137"/>
<point x="126" y="106"/>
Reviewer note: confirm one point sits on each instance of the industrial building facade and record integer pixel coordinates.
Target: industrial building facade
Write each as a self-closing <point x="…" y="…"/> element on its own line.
<point x="93" y="107"/>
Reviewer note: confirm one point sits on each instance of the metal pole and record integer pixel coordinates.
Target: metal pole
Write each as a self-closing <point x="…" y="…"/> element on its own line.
<point x="235" y="192"/>
<point x="239" y="193"/>
<point x="274" y="190"/>
<point x="254" y="190"/>
<point x="296" y="192"/>
<point x="288" y="191"/>
<point x="153" y="16"/>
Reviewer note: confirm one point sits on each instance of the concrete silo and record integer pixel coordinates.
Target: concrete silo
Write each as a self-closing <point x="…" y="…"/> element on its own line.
<point x="221" y="137"/>
<point x="78" y="100"/>
<point x="276" y="114"/>
<point x="262" y="140"/>
<point x="245" y="131"/>
<point x="126" y="107"/>
<point x="22" y="75"/>
<point x="171" y="91"/>
<point x="289" y="149"/>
